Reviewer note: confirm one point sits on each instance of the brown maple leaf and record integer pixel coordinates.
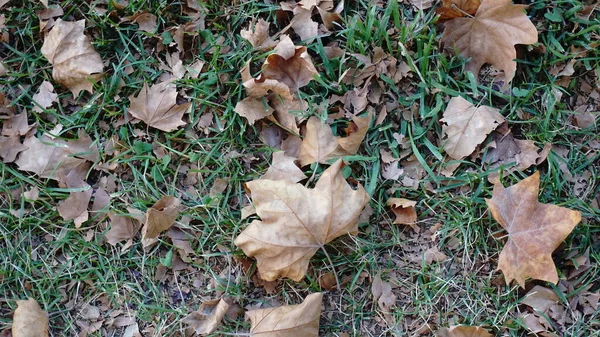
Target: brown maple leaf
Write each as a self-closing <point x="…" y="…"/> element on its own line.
<point x="463" y="331"/>
<point x="451" y="9"/>
<point x="159" y="218"/>
<point x="290" y="65"/>
<point x="466" y="126"/>
<point x="29" y="320"/>
<point x="297" y="221"/>
<point x="208" y="317"/>
<point x="258" y="35"/>
<point x="534" y="229"/>
<point x="300" y="320"/>
<point x="491" y="35"/>
<point x="76" y="65"/>
<point x="157" y="106"/>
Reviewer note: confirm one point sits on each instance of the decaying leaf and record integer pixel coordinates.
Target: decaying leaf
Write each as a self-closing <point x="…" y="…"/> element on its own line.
<point x="157" y="106"/>
<point x="76" y="205"/>
<point x="208" y="317"/>
<point x="300" y="320"/>
<point x="534" y="229"/>
<point x="159" y="218"/>
<point x="284" y="167"/>
<point x="320" y="145"/>
<point x="451" y="9"/>
<point x="76" y="65"/>
<point x="382" y="293"/>
<point x="297" y="221"/>
<point x="510" y="153"/>
<point x="29" y="320"/>
<point x="290" y="65"/>
<point x="540" y="298"/>
<point x="491" y="35"/>
<point x="463" y="331"/>
<point x="10" y="147"/>
<point x="466" y="126"/>
<point x="121" y="228"/>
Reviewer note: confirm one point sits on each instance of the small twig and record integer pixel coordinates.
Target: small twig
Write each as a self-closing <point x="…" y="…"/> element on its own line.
<point x="455" y="7"/>
<point x="337" y="280"/>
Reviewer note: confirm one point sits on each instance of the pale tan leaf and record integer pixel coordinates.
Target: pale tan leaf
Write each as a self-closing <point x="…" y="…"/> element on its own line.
<point x="29" y="320"/>
<point x="44" y="97"/>
<point x="300" y="320"/>
<point x="286" y="112"/>
<point x="463" y="331"/>
<point x="16" y="125"/>
<point x="146" y="21"/>
<point x="467" y="126"/>
<point x="258" y="35"/>
<point x="208" y="317"/>
<point x="76" y="65"/>
<point x="382" y="293"/>
<point x="303" y="24"/>
<point x="534" y="229"/>
<point x="540" y="298"/>
<point x="491" y="35"/>
<point x="157" y="106"/>
<point x="54" y="158"/>
<point x="253" y="109"/>
<point x="320" y="145"/>
<point x="159" y="218"/>
<point x="297" y="221"/>
<point x="284" y="168"/>
<point x="10" y="147"/>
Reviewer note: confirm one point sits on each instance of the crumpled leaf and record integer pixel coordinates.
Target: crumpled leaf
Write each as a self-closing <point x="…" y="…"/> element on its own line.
<point x="320" y="145"/>
<point x="10" y="147"/>
<point x="463" y="331"/>
<point x="253" y="109"/>
<point x="505" y="151"/>
<point x="297" y="221"/>
<point x="159" y="218"/>
<point x="491" y="35"/>
<point x="76" y="65"/>
<point x="29" y="320"/>
<point x="157" y="106"/>
<point x="382" y="293"/>
<point x="466" y="126"/>
<point x="540" y="298"/>
<point x="121" y="228"/>
<point x="534" y="229"/>
<point x="284" y="167"/>
<point x="300" y="320"/>
<point x="208" y="317"/>
<point x="404" y="210"/>
<point x="258" y="35"/>
<point x="451" y="9"/>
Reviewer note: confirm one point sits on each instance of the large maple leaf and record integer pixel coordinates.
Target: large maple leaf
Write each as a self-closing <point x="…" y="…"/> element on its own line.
<point x="491" y="35"/>
<point x="157" y="106"/>
<point x="297" y="221"/>
<point x="534" y="229"/>
<point x="300" y="320"/>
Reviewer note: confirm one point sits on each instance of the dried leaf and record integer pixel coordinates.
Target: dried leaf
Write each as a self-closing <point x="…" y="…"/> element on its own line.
<point x="284" y="168"/>
<point x="159" y="218"/>
<point x="463" y="331"/>
<point x="157" y="106"/>
<point x="121" y="228"/>
<point x="506" y="151"/>
<point x="44" y="97"/>
<point x="534" y="229"/>
<point x="54" y="159"/>
<point x="258" y="35"/>
<point x="467" y="126"/>
<point x="253" y="109"/>
<point x="382" y="294"/>
<point x="320" y="145"/>
<point x="289" y="320"/>
<point x="208" y="317"/>
<point x="303" y="24"/>
<point x="290" y="65"/>
<point x="404" y="210"/>
<point x="10" y="147"/>
<point x="451" y="9"/>
<point x="297" y="221"/>
<point x="540" y="298"/>
<point x="76" y="65"/>
<point x="146" y="21"/>
<point x="76" y="205"/>
<point x="29" y="320"/>
<point x="491" y="35"/>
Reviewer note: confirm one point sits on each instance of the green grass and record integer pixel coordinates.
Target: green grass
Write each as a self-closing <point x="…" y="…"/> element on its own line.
<point x="64" y="268"/>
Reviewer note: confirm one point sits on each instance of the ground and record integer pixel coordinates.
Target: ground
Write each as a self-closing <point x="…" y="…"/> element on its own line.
<point x="84" y="282"/>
